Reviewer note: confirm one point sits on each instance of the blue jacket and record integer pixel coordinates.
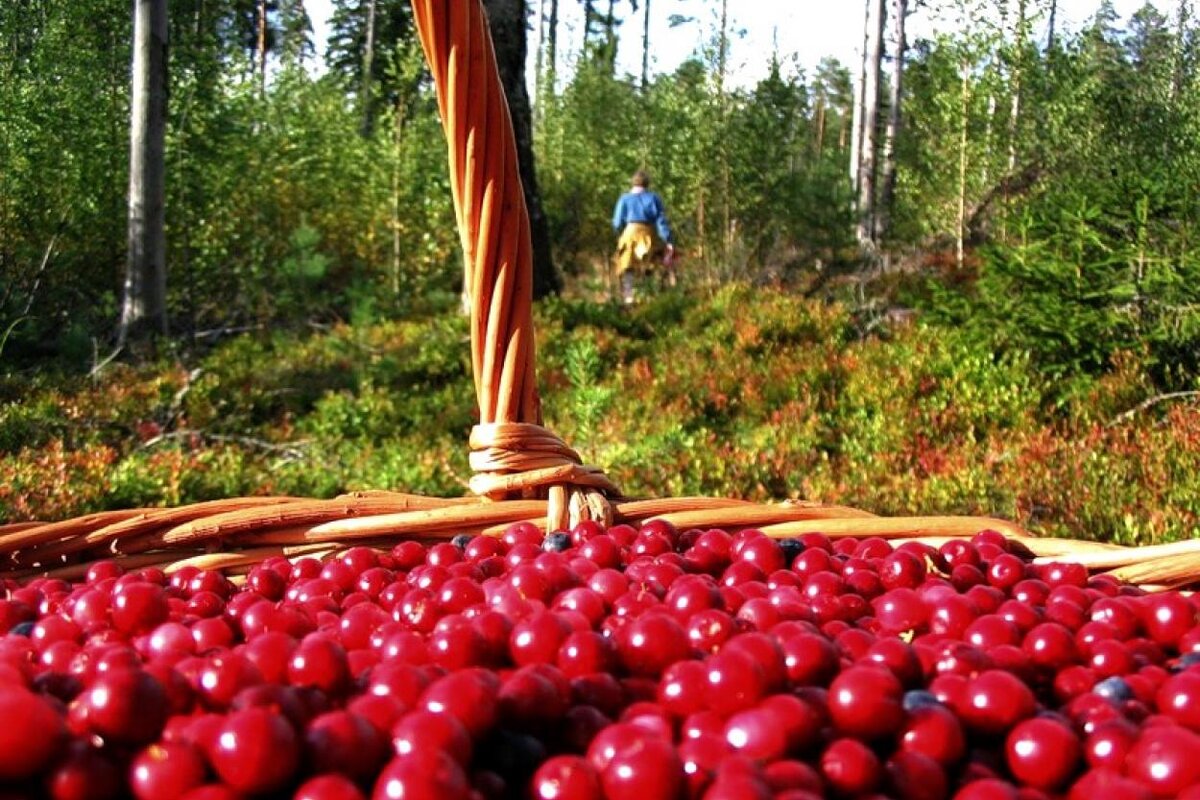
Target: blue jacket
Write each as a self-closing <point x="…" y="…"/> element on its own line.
<point x="644" y="206"/>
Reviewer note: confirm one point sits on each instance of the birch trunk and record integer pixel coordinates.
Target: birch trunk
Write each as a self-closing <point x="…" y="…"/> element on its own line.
<point x="895" y="119"/>
<point x="867" y="167"/>
<point x="859" y="84"/>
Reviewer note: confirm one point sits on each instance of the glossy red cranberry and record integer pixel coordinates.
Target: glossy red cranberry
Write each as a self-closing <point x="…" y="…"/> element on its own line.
<point x="328" y="787"/>
<point x="850" y="767"/>
<point x="538" y="638"/>
<point x="916" y="777"/>
<point x="255" y="751"/>
<point x="126" y="705"/>
<point x="1108" y="744"/>
<point x="471" y="695"/>
<point x="1179" y="698"/>
<point x="810" y="659"/>
<point x="341" y="741"/>
<point x="934" y="731"/>
<point x="1164" y="760"/>
<point x="682" y="688"/>
<point x="636" y="764"/>
<point x="987" y="789"/>
<point x="32" y="734"/>
<point x="426" y="774"/>
<point x="735" y="682"/>
<point x="865" y="701"/>
<point x="1167" y="617"/>
<point x="84" y="773"/>
<point x="995" y="701"/>
<point x="166" y="771"/>
<point x="566" y="778"/>
<point x="1042" y="752"/>
<point x="138" y="607"/>
<point x="420" y="728"/>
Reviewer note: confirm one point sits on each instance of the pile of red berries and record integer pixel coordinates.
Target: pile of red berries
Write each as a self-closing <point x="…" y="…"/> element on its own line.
<point x="621" y="663"/>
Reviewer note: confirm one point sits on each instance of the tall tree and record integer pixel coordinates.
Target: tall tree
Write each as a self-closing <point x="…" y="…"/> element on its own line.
<point x="867" y="161"/>
<point x="1050" y="40"/>
<point x="887" y="197"/>
<point x="368" y="57"/>
<point x="645" y="45"/>
<point x="506" y="20"/>
<point x="144" y="306"/>
<point x="386" y="23"/>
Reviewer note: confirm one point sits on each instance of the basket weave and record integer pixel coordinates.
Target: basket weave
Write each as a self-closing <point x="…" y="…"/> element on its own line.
<point x="523" y="471"/>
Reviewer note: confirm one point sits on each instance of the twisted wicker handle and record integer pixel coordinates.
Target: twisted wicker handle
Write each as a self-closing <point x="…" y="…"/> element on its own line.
<point x="512" y="454"/>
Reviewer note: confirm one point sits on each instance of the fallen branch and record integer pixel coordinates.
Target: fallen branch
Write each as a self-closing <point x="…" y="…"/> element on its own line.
<point x="293" y="451"/>
<point x="1147" y="403"/>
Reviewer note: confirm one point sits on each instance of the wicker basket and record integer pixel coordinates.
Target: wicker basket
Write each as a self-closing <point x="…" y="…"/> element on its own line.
<point x="523" y="472"/>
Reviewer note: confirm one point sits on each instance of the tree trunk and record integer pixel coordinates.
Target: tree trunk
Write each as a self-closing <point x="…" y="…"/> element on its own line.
<point x="960" y="233"/>
<point x="552" y="48"/>
<point x="859" y="84"/>
<point x="368" y="62"/>
<point x="144" y="307"/>
<point x="646" y="46"/>
<point x="506" y="20"/>
<point x="610" y="37"/>
<point x="895" y="101"/>
<point x="1053" y="19"/>
<point x="873" y="66"/>
<point x="820" y="124"/>
<point x="1180" y="67"/>
<point x="1014" y="109"/>
<point x="260" y="50"/>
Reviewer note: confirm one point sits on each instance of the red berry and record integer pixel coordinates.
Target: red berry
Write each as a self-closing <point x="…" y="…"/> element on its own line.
<point x="866" y="702"/>
<point x="126" y="706"/>
<point x="328" y="787"/>
<point x="166" y="771"/>
<point x="426" y="774"/>
<point x="32" y="734"/>
<point x="255" y="751"/>
<point x="566" y="778"/>
<point x="1042" y="753"/>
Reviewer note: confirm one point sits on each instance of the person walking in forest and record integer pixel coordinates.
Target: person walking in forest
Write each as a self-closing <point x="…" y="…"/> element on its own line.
<point x="645" y="237"/>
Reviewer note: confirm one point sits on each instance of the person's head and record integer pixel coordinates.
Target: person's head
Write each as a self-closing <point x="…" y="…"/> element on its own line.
<point x="641" y="178"/>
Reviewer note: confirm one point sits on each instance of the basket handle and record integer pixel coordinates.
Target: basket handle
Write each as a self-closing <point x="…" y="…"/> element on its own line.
<point x="512" y="454"/>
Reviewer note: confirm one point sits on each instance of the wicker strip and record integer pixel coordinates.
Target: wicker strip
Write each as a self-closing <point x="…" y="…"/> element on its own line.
<point x="54" y="531"/>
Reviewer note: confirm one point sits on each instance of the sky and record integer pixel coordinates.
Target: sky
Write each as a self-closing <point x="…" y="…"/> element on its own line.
<point x="805" y="29"/>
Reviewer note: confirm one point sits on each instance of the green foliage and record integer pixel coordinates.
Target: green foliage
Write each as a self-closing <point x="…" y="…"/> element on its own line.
<point x="752" y="394"/>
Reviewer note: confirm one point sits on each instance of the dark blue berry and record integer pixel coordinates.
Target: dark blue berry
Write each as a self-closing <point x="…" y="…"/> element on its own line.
<point x="462" y="540"/>
<point x="790" y="549"/>
<point x="1186" y="660"/>
<point x="919" y="698"/>
<point x="1114" y="689"/>
<point x="22" y="628"/>
<point x="556" y="542"/>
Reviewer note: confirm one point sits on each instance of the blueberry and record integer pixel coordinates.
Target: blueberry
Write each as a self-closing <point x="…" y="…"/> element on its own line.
<point x="919" y="698"/>
<point x="1186" y="660"/>
<point x="790" y="549"/>
<point x="511" y="753"/>
<point x="22" y="629"/>
<point x="462" y="540"/>
<point x="1114" y="689"/>
<point x="556" y="542"/>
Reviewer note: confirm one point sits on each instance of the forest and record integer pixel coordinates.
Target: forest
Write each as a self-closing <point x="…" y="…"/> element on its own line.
<point x="964" y="272"/>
